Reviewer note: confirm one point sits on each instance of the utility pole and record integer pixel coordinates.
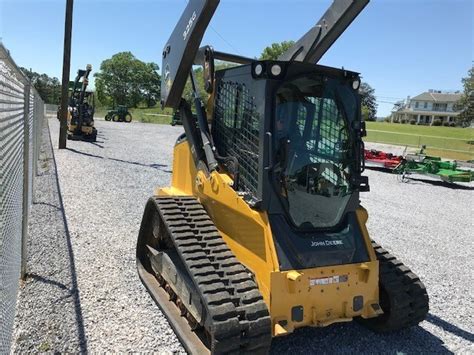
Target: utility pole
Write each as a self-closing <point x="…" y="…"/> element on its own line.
<point x="66" y="70"/>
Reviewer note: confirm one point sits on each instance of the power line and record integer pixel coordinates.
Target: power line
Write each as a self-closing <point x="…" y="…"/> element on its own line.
<point x="386" y="102"/>
<point x="230" y="45"/>
<point x="220" y="36"/>
<point x="389" y="97"/>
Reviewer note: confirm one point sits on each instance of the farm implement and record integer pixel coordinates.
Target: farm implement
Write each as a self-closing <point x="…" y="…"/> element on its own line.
<point x="448" y="171"/>
<point x="379" y="159"/>
<point x="420" y="163"/>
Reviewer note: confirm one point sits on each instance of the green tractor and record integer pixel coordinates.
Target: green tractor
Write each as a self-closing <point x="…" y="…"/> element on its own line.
<point x="121" y="114"/>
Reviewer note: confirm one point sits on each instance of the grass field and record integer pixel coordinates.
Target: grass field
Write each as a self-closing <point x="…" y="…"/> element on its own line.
<point x="447" y="142"/>
<point x="147" y="115"/>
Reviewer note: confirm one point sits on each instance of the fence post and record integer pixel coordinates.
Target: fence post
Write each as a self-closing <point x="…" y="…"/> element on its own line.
<point x="26" y="174"/>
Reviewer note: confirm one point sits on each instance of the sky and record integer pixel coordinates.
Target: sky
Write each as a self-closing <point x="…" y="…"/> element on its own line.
<point x="401" y="47"/>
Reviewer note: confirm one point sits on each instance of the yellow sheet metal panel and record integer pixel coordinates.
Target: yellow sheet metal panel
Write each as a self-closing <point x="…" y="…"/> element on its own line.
<point x="184" y="172"/>
<point x="322" y="296"/>
<point x="247" y="232"/>
<point x="362" y="217"/>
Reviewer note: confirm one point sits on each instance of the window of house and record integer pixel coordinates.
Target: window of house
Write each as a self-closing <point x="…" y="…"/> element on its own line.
<point x="440" y="107"/>
<point x="416" y="104"/>
<point x="425" y="105"/>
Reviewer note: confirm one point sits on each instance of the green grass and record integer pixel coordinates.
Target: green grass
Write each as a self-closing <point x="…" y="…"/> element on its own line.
<point x="451" y="132"/>
<point x="142" y="114"/>
<point x="447" y="142"/>
<point x="152" y="115"/>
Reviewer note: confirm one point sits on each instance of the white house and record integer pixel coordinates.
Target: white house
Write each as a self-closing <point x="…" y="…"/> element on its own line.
<point x="429" y="106"/>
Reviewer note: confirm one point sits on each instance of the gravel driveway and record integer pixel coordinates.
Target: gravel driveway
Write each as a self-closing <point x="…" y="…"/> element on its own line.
<point x="104" y="187"/>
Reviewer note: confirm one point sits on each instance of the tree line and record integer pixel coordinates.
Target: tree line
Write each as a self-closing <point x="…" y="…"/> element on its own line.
<point x="49" y="88"/>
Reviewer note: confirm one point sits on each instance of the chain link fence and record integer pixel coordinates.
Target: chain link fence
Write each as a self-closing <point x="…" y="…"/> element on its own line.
<point x="21" y="123"/>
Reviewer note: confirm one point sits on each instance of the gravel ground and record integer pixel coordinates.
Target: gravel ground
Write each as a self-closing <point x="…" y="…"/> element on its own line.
<point x="48" y="308"/>
<point x="104" y="188"/>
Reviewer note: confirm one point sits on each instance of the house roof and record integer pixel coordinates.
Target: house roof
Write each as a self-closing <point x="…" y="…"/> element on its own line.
<point x="437" y="97"/>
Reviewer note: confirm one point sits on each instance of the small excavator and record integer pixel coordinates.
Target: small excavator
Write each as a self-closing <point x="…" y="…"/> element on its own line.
<point x="81" y="109"/>
<point x="261" y="231"/>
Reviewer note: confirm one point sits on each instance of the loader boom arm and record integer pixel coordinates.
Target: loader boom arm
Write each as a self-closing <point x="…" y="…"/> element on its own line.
<point x="312" y="46"/>
<point x="181" y="49"/>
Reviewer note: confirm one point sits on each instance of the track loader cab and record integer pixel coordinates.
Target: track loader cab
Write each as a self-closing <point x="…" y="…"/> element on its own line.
<point x="261" y="230"/>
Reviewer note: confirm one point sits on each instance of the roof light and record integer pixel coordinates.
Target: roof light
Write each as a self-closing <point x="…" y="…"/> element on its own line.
<point x="356" y="84"/>
<point x="258" y="69"/>
<point x="276" y="70"/>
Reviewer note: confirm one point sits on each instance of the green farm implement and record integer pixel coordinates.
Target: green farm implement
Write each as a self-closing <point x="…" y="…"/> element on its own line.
<point x="448" y="171"/>
<point x="120" y="114"/>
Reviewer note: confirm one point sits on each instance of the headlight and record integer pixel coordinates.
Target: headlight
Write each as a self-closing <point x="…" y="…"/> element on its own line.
<point x="276" y="70"/>
<point x="258" y="69"/>
<point x="356" y="84"/>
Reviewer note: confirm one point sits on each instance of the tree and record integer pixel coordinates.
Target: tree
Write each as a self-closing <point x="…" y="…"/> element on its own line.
<point x="151" y="81"/>
<point x="126" y="80"/>
<point x="466" y="103"/>
<point x="49" y="88"/>
<point x="368" y="101"/>
<point x="273" y="51"/>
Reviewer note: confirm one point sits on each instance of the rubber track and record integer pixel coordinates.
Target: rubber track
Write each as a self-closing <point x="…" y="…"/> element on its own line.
<point x="237" y="317"/>
<point x="408" y="297"/>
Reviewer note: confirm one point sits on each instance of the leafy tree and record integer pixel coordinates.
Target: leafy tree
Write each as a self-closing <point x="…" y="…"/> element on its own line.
<point x="151" y="82"/>
<point x="466" y="103"/>
<point x="368" y="101"/>
<point x="126" y="80"/>
<point x="49" y="88"/>
<point x="273" y="51"/>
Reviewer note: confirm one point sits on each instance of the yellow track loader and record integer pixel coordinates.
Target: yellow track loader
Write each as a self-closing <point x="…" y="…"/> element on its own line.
<point x="261" y="231"/>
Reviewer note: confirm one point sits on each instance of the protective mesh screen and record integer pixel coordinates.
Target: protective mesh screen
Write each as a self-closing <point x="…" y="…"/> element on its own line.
<point x="236" y="131"/>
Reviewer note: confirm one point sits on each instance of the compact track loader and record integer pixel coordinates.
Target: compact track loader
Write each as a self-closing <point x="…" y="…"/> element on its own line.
<point x="80" y="124"/>
<point x="261" y="231"/>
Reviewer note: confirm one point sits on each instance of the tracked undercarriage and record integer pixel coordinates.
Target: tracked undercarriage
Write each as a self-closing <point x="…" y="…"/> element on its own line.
<point x="403" y="296"/>
<point x="201" y="277"/>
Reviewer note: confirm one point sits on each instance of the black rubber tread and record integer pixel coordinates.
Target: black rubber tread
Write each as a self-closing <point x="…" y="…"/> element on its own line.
<point x="404" y="299"/>
<point x="237" y="317"/>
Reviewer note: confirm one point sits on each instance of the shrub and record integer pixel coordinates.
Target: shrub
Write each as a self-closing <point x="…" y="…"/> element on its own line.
<point x="437" y="122"/>
<point x="387" y="119"/>
<point x="452" y="124"/>
<point x="413" y="121"/>
<point x="403" y="120"/>
<point x="446" y="124"/>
